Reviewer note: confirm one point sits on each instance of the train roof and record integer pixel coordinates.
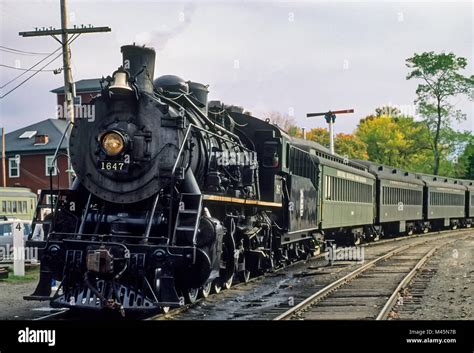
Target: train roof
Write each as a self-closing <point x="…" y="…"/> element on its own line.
<point x="344" y="166"/>
<point x="324" y="155"/>
<point x="16" y="192"/>
<point x="441" y="181"/>
<point x="391" y="173"/>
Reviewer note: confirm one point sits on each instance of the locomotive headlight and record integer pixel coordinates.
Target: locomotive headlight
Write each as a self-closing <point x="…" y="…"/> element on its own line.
<point x="113" y="143"/>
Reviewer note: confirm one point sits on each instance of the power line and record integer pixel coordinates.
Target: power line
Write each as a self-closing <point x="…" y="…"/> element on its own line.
<point x="19" y="68"/>
<point x="18" y="51"/>
<point x="30" y="77"/>
<point x="32" y="67"/>
<point x="73" y="38"/>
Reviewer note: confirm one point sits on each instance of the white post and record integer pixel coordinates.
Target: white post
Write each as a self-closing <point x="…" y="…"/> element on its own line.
<point x="331" y="136"/>
<point x="18" y="249"/>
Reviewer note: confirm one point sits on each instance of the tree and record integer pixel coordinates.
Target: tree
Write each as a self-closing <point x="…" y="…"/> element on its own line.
<point x="398" y="142"/>
<point x="464" y="166"/>
<point x="350" y="146"/>
<point x="319" y="135"/>
<point x="442" y="81"/>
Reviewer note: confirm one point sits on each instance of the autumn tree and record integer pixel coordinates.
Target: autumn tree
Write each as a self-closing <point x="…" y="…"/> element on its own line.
<point x="350" y="146"/>
<point x="441" y="81"/>
<point x="319" y="135"/>
<point x="399" y="142"/>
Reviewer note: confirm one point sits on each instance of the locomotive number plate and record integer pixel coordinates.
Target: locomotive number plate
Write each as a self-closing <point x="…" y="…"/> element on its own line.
<point x="113" y="166"/>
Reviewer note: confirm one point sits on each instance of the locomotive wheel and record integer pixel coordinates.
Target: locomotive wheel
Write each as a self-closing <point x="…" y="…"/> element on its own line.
<point x="227" y="284"/>
<point x="244" y="276"/>
<point x="205" y="290"/>
<point x="216" y="286"/>
<point x="191" y="295"/>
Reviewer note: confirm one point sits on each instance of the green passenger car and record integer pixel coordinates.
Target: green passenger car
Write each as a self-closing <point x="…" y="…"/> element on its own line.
<point x="347" y="197"/>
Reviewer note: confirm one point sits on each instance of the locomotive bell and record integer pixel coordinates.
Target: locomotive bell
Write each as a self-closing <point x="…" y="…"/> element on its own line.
<point x="120" y="82"/>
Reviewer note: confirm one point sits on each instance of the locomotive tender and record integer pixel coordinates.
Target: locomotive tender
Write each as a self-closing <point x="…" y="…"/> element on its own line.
<point x="176" y="196"/>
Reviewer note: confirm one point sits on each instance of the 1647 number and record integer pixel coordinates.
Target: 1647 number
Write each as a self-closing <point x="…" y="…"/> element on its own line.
<point x="112" y="166"/>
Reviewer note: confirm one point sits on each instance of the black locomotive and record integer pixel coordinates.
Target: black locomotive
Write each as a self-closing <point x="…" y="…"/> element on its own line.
<point x="176" y="196"/>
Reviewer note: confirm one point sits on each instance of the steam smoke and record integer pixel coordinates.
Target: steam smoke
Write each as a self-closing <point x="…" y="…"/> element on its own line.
<point x="159" y="38"/>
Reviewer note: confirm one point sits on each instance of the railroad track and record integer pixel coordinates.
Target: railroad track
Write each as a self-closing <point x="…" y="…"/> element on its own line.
<point x="363" y="293"/>
<point x="262" y="306"/>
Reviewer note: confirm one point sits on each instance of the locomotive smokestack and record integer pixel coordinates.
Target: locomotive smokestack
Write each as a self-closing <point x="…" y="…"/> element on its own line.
<point x="139" y="62"/>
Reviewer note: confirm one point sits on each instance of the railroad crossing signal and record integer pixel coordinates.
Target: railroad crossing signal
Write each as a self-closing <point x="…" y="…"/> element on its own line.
<point x="330" y="117"/>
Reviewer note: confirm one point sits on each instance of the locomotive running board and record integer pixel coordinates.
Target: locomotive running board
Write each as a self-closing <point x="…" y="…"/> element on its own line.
<point x="219" y="198"/>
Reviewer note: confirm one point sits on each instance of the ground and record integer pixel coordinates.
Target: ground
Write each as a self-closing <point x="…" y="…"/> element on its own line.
<point x="450" y="290"/>
<point x="12" y="305"/>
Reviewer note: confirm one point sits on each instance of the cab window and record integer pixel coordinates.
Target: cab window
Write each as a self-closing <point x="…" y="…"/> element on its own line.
<point x="271" y="159"/>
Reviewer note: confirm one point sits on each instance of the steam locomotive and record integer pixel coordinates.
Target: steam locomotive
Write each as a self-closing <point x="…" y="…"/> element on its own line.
<point x="176" y="196"/>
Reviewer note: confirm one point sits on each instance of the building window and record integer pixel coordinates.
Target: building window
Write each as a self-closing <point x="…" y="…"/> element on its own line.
<point x="49" y="164"/>
<point x="77" y="100"/>
<point x="13" y="168"/>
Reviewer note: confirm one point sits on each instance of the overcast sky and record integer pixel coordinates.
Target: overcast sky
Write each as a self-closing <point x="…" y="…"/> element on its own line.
<point x="297" y="57"/>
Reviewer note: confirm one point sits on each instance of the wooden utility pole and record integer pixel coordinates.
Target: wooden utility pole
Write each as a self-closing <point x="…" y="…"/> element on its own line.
<point x="65" y="41"/>
<point x="68" y="84"/>
<point x="4" y="164"/>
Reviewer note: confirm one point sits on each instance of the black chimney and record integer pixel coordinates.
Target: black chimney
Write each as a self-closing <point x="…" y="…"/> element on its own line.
<point x="139" y="62"/>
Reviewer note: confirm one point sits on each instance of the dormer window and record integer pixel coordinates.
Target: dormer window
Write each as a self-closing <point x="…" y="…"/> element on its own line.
<point x="41" y="140"/>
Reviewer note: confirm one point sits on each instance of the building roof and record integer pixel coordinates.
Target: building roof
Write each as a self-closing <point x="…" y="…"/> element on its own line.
<point x="54" y="128"/>
<point x="89" y="85"/>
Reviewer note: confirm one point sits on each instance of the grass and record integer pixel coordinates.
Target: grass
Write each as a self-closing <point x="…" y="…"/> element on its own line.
<point x="31" y="274"/>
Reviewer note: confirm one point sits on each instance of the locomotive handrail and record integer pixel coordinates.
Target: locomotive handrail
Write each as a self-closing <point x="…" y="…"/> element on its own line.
<point x="55" y="157"/>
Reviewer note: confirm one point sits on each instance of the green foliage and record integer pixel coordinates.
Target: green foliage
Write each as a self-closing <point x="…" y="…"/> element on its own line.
<point x="399" y="142"/>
